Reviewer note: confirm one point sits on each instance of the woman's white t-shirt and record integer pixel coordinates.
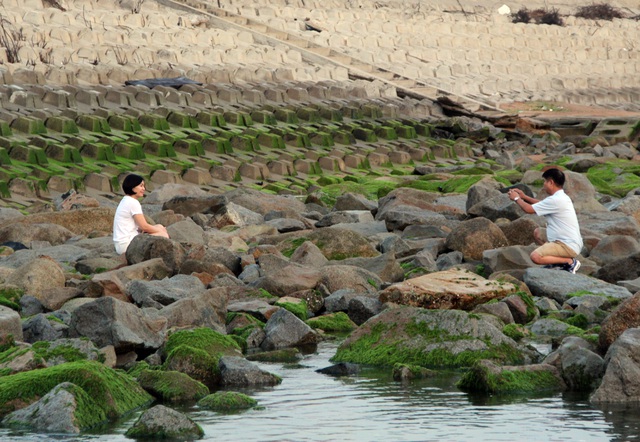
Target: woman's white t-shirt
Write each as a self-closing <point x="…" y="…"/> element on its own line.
<point x="124" y="226"/>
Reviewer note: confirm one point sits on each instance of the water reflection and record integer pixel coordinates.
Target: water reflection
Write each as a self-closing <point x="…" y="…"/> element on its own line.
<point x="310" y="406"/>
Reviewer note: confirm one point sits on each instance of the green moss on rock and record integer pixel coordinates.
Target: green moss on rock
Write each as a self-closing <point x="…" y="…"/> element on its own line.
<point x="206" y="339"/>
<point x="114" y="392"/>
<point x="334" y="322"/>
<point x="297" y="308"/>
<point x="225" y="401"/>
<point x="172" y="386"/>
<point x="485" y="377"/>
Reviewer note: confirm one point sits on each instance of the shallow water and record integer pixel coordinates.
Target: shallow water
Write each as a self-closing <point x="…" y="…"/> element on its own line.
<point x="309" y="406"/>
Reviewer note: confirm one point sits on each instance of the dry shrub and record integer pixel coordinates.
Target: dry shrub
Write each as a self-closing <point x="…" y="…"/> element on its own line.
<point x="599" y="11"/>
<point x="11" y="39"/>
<point x="538" y="16"/>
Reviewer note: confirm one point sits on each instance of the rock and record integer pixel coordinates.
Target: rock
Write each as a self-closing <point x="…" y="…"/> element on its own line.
<point x="206" y="309"/>
<point x="165" y="291"/>
<point x="614" y="247"/>
<point x="507" y="258"/>
<point x="226" y="401"/>
<point x="114" y="282"/>
<point x="609" y="223"/>
<point x="496" y="207"/>
<point x="23" y="360"/>
<point x="449" y="289"/>
<point x="487" y="377"/>
<point x="263" y="203"/>
<point x="361" y="308"/>
<point x="232" y="214"/>
<point x="336" y="277"/>
<point x="354" y="201"/>
<point x="621" y="381"/>
<point x="205" y="257"/>
<point x="259" y="309"/>
<point x="171" y="386"/>
<point x="309" y="255"/>
<point x="474" y="236"/>
<point x="186" y="232"/>
<point x="160" y="421"/>
<point x="345" y="216"/>
<point x="339" y="300"/>
<point x="76" y="222"/>
<point x="107" y="321"/>
<point x="39" y="328"/>
<point x="189" y="205"/>
<point x="429" y="338"/>
<point x="498" y="309"/>
<point x="113" y="392"/>
<point x="549" y="327"/>
<point x="54" y="298"/>
<point x="341" y="369"/>
<point x="620" y="269"/>
<point x="284" y="225"/>
<point x="289" y="279"/>
<point x="519" y="232"/>
<point x="27" y="233"/>
<point x="339" y="243"/>
<point x="36" y="276"/>
<point x="66" y="409"/>
<point x="413" y="201"/>
<point x="10" y="324"/>
<point x="145" y="247"/>
<point x="559" y="285"/>
<point x="624" y="317"/>
<point x="581" y="368"/>
<point x="521" y="312"/>
<point x="385" y="266"/>
<point x="238" y="372"/>
<point x="483" y="190"/>
<point x="284" y="329"/>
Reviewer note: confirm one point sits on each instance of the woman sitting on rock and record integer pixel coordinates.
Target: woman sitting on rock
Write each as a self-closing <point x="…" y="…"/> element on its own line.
<point x="129" y="220"/>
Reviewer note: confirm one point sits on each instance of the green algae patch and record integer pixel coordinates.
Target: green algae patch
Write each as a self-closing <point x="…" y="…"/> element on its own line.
<point x="172" y="386"/>
<point x="115" y="393"/>
<point x="196" y="363"/>
<point x="408" y="372"/>
<point x="486" y="377"/>
<point x="206" y="339"/>
<point x="283" y="355"/>
<point x="10" y="297"/>
<point x="427" y="338"/>
<point x="334" y="322"/>
<point x="435" y="183"/>
<point x="616" y="177"/>
<point x="226" y="401"/>
<point x="297" y="308"/>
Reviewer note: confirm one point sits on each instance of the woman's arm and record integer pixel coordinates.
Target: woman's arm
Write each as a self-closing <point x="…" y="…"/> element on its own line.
<point x="143" y="225"/>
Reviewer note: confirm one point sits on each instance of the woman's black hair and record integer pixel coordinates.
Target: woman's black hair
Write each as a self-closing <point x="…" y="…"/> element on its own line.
<point x="131" y="181"/>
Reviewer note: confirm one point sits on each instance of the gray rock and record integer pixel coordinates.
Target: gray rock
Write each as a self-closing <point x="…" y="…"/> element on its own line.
<point x="340" y="369"/>
<point x="559" y="284"/>
<point x="345" y="216"/>
<point x="189" y="205"/>
<point x="232" y="214"/>
<point x="609" y="223"/>
<point x="339" y="300"/>
<point x="204" y="309"/>
<point x="498" y="309"/>
<point x="257" y="308"/>
<point x="621" y="381"/>
<point x="165" y="291"/>
<point x="238" y="372"/>
<point x="55" y="412"/>
<point x="250" y="274"/>
<point x="39" y="328"/>
<point x="284" y="329"/>
<point x="186" y="232"/>
<point x="160" y="421"/>
<point x="614" y="247"/>
<point x="400" y="217"/>
<point x="145" y="247"/>
<point x="339" y="276"/>
<point x="549" y="327"/>
<point x="396" y="245"/>
<point x="361" y="308"/>
<point x="483" y="190"/>
<point x="107" y="321"/>
<point x="289" y="279"/>
<point x="10" y="323"/>
<point x="27" y="232"/>
<point x="36" y="276"/>
<point x="507" y="258"/>
<point x="83" y="346"/>
<point x="474" y="236"/>
<point x="354" y="201"/>
<point x="309" y="255"/>
<point x="447" y="260"/>
<point x="385" y="266"/>
<point x="284" y="225"/>
<point x="499" y="206"/>
<point x="29" y="306"/>
<point x="546" y="305"/>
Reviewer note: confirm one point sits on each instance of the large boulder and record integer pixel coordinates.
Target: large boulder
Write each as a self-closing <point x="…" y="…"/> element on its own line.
<point x="626" y="268"/>
<point x="609" y="223"/>
<point x="35" y="277"/>
<point x="284" y="329"/>
<point x="238" y="372"/>
<point x="289" y="279"/>
<point x="160" y="422"/>
<point x="449" y="289"/>
<point x="507" y="258"/>
<point x="336" y="277"/>
<point x="428" y="338"/>
<point x="172" y="386"/>
<point x="206" y="309"/>
<point x="114" y="282"/>
<point x="414" y="201"/>
<point x="163" y="292"/>
<point x="107" y="321"/>
<point x="264" y="203"/>
<point x="114" y="393"/>
<point x="385" y="266"/>
<point x="581" y="368"/>
<point x="78" y="222"/>
<point x="189" y="205"/>
<point x="488" y="378"/>
<point x="624" y="317"/>
<point x="621" y="381"/>
<point x="614" y="247"/>
<point x="232" y="214"/>
<point x="474" y="236"/>
<point x="66" y="409"/>
<point x="145" y="247"/>
<point x="559" y="285"/>
<point x="10" y="324"/>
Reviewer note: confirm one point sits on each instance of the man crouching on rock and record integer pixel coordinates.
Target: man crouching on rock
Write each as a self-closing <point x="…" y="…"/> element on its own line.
<point x="563" y="231"/>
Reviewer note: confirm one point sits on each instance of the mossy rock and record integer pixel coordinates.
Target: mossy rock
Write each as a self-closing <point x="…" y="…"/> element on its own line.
<point x="28" y="154"/>
<point x="333" y="322"/>
<point x="4" y="156"/>
<point x="114" y="392"/>
<point x="206" y="339"/>
<point x="386" y="132"/>
<point x="405" y="372"/>
<point x="283" y="355"/>
<point x="408" y="132"/>
<point x="212" y="119"/>
<point x="98" y="151"/>
<point x="264" y="117"/>
<point x="297" y="308"/>
<point x="63" y="153"/>
<point x="371" y="111"/>
<point x="155" y="122"/>
<point x="189" y="147"/>
<point x="271" y="141"/>
<point x="428" y="338"/>
<point x="59" y="352"/>
<point x="5" y="129"/>
<point x="244" y="143"/>
<point x="331" y="114"/>
<point x="93" y="123"/>
<point x="287" y="116"/>
<point x="124" y="123"/>
<point x="217" y="145"/>
<point x="172" y="386"/>
<point x="29" y="125"/>
<point x="487" y="378"/>
<point x="129" y="150"/>
<point x="181" y="119"/>
<point x="62" y="124"/>
<point x="323" y="139"/>
<point x="239" y="118"/>
<point x="160" y="148"/>
<point x="308" y="114"/>
<point x="196" y="363"/>
<point x="163" y="423"/>
<point x="226" y="401"/>
<point x="364" y="134"/>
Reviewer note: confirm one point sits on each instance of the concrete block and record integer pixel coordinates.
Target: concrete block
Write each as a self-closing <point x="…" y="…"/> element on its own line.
<point x="98" y="181"/>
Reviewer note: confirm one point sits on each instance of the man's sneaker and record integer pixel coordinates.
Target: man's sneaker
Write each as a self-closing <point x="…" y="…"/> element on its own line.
<point x="573" y="267"/>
